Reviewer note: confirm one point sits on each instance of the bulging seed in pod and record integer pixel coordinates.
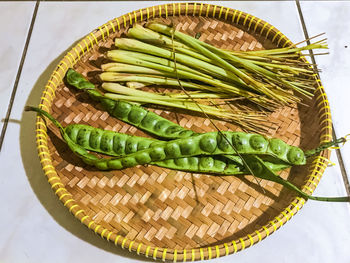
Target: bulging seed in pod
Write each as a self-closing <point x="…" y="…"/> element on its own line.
<point x="258" y="142"/>
<point x="95" y="139"/>
<point x="277" y="146"/>
<point x="188" y="147"/>
<point x="157" y="153"/>
<point x="83" y="136"/>
<point x="173" y="129"/>
<point x="219" y="165"/>
<point x="130" y="146"/>
<point x="172" y="150"/>
<point x="296" y="156"/>
<point x="206" y="162"/>
<point x="161" y="126"/>
<point x="129" y="162"/>
<point x="208" y="143"/>
<point x="193" y="162"/>
<point x="118" y="145"/>
<point x="106" y="144"/>
<point x="122" y="109"/>
<point x="149" y="121"/>
<point x="143" y="157"/>
<point x="143" y="144"/>
<point x="136" y="115"/>
<point x="240" y="142"/>
<point x="224" y="141"/>
<point x="181" y="162"/>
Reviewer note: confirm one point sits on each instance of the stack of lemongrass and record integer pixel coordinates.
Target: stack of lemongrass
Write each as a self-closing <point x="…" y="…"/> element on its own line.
<point x="159" y="55"/>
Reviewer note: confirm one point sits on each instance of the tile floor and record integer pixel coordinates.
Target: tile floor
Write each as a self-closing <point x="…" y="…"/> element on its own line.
<point x="37" y="228"/>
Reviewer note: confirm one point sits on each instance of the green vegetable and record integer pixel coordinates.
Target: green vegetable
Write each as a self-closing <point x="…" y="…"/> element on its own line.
<point x="211" y="143"/>
<point x="200" y="164"/>
<point x="135" y="58"/>
<point x="81" y="137"/>
<point x="236" y="61"/>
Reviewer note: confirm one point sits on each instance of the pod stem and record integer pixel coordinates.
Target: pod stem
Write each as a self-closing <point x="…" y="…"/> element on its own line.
<point x="47" y="115"/>
<point x="81" y="152"/>
<point x="263" y="172"/>
<point x="324" y="147"/>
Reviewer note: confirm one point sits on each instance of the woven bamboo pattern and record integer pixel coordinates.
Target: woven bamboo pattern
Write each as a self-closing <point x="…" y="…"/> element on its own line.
<point x="165" y="214"/>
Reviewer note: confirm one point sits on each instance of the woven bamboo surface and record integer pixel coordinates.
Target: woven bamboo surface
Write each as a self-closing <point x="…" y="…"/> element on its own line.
<point x="168" y="214"/>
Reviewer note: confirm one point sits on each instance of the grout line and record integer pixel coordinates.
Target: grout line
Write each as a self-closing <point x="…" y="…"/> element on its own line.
<point x="15" y="86"/>
<point x="306" y="34"/>
<point x="337" y="151"/>
<point x="342" y="167"/>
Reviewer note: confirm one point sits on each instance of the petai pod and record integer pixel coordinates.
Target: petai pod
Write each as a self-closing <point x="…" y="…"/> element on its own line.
<point x="256" y="164"/>
<point x="129" y="112"/>
<point x="138" y="150"/>
<point x="119" y="144"/>
<point x="107" y="142"/>
<point x="210" y="143"/>
<point x="219" y="164"/>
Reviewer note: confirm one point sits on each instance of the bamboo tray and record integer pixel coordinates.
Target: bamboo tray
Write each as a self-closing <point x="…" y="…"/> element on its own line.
<point x="167" y="214"/>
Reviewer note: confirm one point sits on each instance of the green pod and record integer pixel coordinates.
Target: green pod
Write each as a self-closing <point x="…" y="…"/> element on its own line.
<point x="156" y="153"/>
<point x="203" y="164"/>
<point x="105" y="141"/>
<point x="220" y="165"/>
<point x="206" y="144"/>
<point x="211" y="143"/>
<point x="118" y="144"/>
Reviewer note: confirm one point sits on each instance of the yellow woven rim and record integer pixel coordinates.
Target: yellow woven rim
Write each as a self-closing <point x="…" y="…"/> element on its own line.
<point x="195" y="9"/>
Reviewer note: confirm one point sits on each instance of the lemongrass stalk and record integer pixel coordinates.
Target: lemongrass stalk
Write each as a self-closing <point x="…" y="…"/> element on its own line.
<point x="121" y="57"/>
<point x="155" y="80"/>
<point x="138" y="46"/>
<point x="135" y="85"/>
<point x="216" y="55"/>
<point x="245" y="120"/>
<point x="118" y="55"/>
<point x="127" y="68"/>
<point x="152" y="37"/>
<point x="192" y="53"/>
<point x="273" y="63"/>
<point x="276" y="51"/>
<point x="201" y="95"/>
<point x="192" y="42"/>
<point x="260" y="70"/>
<point x="117" y="88"/>
<point x="120" y="89"/>
<point x="151" y="80"/>
<point x="183" y="105"/>
<point x="294" y="70"/>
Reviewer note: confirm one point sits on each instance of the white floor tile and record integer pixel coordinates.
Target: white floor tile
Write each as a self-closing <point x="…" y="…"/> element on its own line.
<point x="15" y="20"/>
<point x="333" y="19"/>
<point x="39" y="229"/>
